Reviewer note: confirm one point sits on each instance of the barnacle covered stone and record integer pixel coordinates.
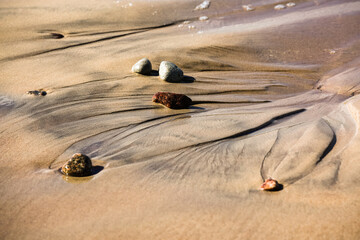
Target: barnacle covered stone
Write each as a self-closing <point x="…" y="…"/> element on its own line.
<point x="172" y="100"/>
<point x="79" y="165"/>
<point x="270" y="185"/>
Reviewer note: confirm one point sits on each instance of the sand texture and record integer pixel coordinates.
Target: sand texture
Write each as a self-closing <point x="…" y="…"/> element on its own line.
<point x="275" y="94"/>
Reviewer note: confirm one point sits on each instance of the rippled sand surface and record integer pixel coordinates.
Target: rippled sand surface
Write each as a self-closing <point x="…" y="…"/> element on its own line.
<point x="275" y="95"/>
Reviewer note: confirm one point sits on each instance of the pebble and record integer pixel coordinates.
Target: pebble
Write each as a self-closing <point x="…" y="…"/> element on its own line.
<point x="279" y="7"/>
<point x="203" y="5"/>
<point x="203" y="18"/>
<point x="169" y="72"/>
<point x="143" y="66"/>
<point x="172" y="100"/>
<point x="184" y="23"/>
<point x="37" y="93"/>
<point x="56" y="35"/>
<point x="270" y="185"/>
<point x="248" y="7"/>
<point x="290" y="4"/>
<point x="79" y="165"/>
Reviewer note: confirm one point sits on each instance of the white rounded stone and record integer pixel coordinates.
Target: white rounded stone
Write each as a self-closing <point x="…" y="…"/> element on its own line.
<point x="143" y="66"/>
<point x="280" y="7"/>
<point x="169" y="72"/>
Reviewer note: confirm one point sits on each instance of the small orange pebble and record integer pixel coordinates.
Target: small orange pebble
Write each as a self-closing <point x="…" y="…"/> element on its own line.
<point x="270" y="185"/>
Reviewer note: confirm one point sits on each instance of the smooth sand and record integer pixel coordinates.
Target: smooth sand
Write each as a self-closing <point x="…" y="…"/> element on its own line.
<point x="275" y="95"/>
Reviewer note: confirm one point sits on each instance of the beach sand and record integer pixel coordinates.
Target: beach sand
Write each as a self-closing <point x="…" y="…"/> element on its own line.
<point x="275" y="95"/>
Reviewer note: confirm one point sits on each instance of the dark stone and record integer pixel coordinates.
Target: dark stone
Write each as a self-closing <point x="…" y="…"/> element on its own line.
<point x="56" y="35"/>
<point x="37" y="93"/>
<point x="78" y="165"/>
<point x="172" y="100"/>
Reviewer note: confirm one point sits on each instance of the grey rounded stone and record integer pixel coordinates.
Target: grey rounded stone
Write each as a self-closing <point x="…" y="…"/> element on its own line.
<point x="170" y="72"/>
<point x="143" y="66"/>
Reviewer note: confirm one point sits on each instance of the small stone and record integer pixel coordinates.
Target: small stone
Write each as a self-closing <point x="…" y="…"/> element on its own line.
<point x="37" y="93"/>
<point x="203" y="5"/>
<point x="56" y="35"/>
<point x="270" y="185"/>
<point x="143" y="66"/>
<point x="279" y="7"/>
<point x="172" y="100"/>
<point x="290" y="4"/>
<point x="248" y="7"/>
<point x="203" y="18"/>
<point x="78" y="165"/>
<point x="169" y="72"/>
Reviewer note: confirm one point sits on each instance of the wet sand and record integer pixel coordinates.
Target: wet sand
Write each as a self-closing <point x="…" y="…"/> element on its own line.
<point x="275" y="95"/>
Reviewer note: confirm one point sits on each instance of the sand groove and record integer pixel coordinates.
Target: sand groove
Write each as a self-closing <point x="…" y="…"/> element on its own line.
<point x="136" y="31"/>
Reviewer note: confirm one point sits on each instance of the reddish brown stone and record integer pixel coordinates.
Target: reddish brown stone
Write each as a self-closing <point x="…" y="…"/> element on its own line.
<point x="172" y="100"/>
<point x="270" y="185"/>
